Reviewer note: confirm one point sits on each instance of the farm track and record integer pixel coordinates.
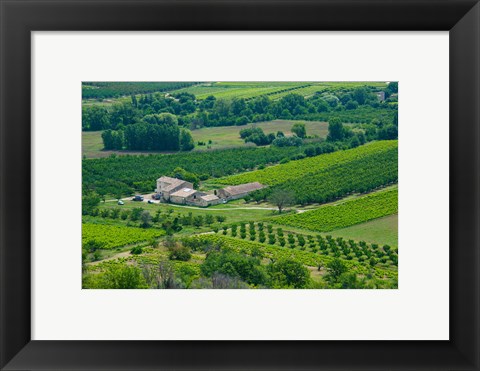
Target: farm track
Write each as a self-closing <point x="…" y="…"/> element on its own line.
<point x="122" y="254"/>
<point x="200" y="208"/>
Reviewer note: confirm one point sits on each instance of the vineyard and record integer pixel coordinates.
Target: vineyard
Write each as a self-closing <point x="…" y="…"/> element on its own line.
<point x="279" y="174"/>
<point x="100" y="90"/>
<point x="328" y="177"/>
<point x="110" y="236"/>
<point x="245" y="90"/>
<point x="325" y="153"/>
<point x="357" y="176"/>
<point x="330" y="217"/>
<point x="354" y="254"/>
<point x="274" y="90"/>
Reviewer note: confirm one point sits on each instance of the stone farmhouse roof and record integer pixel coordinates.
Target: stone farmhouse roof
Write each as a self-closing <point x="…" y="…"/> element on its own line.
<point x="209" y="198"/>
<point x="172" y="182"/>
<point x="243" y="188"/>
<point x="184" y="192"/>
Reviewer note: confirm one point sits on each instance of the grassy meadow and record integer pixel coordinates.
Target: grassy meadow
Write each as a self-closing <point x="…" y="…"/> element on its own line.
<point x="220" y="137"/>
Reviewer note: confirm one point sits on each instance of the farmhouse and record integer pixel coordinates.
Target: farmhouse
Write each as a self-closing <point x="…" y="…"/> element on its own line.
<point x="181" y="192"/>
<point x="166" y="186"/>
<point x="239" y="191"/>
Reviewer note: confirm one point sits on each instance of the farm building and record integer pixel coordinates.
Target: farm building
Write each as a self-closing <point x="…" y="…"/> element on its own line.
<point x="207" y="200"/>
<point x="181" y="192"/>
<point x="189" y="196"/>
<point x="239" y="191"/>
<point x="166" y="186"/>
<point x="380" y="95"/>
<point x="182" y="195"/>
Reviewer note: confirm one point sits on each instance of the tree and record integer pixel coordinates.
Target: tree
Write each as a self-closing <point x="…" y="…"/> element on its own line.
<point x="351" y="104"/>
<point x="335" y="130"/>
<point x="198" y="221"/>
<point x="145" y="219"/>
<point x="281" y="198"/>
<point x="209" y="219"/>
<point x="392" y="88"/>
<point x="89" y="202"/>
<point x="123" y="276"/>
<point x="335" y="269"/>
<point x="113" y="139"/>
<point x="166" y="276"/>
<point x="186" y="140"/>
<point x="388" y="132"/>
<point x="360" y="94"/>
<point x="233" y="264"/>
<point x="95" y="118"/>
<point x="288" y="273"/>
<point x="287" y="141"/>
<point x="134" y="100"/>
<point x="153" y="132"/>
<point x="299" y="130"/>
<point x="179" y="252"/>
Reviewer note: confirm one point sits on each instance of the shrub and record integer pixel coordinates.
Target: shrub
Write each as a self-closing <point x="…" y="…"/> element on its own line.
<point x="179" y="252"/>
<point x="271" y="239"/>
<point x="137" y="250"/>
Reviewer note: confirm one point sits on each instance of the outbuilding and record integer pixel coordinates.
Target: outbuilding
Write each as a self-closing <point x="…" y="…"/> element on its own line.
<point x="238" y="191"/>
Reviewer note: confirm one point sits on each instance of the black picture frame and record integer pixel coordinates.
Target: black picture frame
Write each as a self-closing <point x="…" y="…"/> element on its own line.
<point x="18" y="18"/>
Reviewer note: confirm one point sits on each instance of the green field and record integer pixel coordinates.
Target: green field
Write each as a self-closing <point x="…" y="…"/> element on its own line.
<point x="111" y="236"/>
<point x="308" y="258"/>
<point x="221" y="137"/>
<point x="326" y="218"/>
<point x="341" y="215"/>
<point x="275" y="90"/>
<point x="247" y="90"/>
<point x="228" y="136"/>
<point x="233" y="213"/>
<point x="383" y="231"/>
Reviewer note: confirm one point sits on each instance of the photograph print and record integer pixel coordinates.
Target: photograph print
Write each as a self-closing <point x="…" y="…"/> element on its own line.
<point x="240" y="185"/>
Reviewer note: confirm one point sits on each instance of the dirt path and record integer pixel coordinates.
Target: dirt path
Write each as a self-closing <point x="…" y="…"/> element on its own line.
<point x="123" y="254"/>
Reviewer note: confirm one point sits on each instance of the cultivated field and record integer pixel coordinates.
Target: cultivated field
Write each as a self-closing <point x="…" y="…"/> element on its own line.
<point x="325" y="215"/>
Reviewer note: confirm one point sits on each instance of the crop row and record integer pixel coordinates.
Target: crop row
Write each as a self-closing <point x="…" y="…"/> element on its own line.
<point x="357" y="176"/>
<point x="331" y="217"/>
<point x="305" y="257"/>
<point x="118" y="89"/>
<point x="337" y="247"/>
<point x="300" y="169"/>
<point x="111" y="236"/>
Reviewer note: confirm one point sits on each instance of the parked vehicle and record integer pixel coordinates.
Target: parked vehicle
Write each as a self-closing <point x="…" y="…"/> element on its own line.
<point x="120" y="202"/>
<point x="157" y="196"/>
<point x="137" y="198"/>
<point x="150" y="202"/>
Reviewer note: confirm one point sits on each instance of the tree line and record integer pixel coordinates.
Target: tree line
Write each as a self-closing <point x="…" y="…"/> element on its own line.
<point x="102" y="90"/>
<point x="156" y="132"/>
<point x="350" y="105"/>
